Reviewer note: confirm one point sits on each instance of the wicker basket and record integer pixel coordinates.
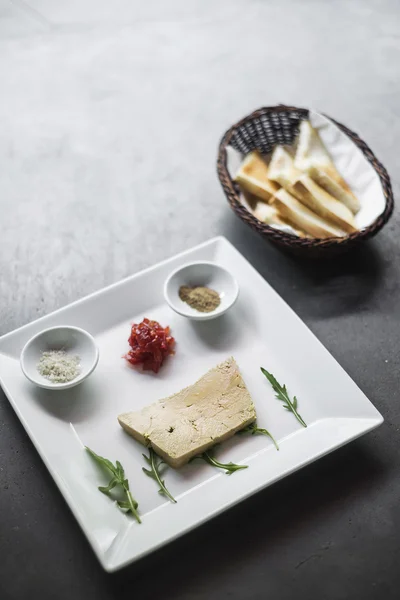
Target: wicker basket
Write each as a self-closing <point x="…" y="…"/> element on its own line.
<point x="262" y="130"/>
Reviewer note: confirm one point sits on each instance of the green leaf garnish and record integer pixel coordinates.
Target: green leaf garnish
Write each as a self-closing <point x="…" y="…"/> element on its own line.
<point x="111" y="485"/>
<point x="154" y="473"/>
<point x="253" y="429"/>
<point x="282" y="394"/>
<point x="229" y="467"/>
<point x="118" y="478"/>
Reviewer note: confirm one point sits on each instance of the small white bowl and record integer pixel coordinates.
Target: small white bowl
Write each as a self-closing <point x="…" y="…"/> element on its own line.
<point x="205" y="274"/>
<point x="73" y="340"/>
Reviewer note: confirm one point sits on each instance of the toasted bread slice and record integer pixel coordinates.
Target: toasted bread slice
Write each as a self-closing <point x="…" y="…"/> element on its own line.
<point x="323" y="204"/>
<point x="303" y="217"/>
<point x="253" y="177"/>
<point x="334" y="189"/>
<point x="269" y="214"/>
<point x="250" y="201"/>
<point x="311" y="152"/>
<point x="281" y="168"/>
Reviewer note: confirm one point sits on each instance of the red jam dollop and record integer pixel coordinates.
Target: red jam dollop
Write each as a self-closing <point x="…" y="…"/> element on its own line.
<point x="150" y="345"/>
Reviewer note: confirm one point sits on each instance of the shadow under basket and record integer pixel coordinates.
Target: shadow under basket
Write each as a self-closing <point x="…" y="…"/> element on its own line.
<point x="262" y="130"/>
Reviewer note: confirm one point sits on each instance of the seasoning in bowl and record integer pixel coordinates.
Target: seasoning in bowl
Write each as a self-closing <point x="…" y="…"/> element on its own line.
<point x="59" y="367"/>
<point x="200" y="298"/>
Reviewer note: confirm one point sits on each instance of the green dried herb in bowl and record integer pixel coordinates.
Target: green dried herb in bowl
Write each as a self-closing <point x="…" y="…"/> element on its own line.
<point x="200" y="298"/>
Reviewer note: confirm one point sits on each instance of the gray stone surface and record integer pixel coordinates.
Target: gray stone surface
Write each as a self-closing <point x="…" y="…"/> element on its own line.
<point x="110" y="115"/>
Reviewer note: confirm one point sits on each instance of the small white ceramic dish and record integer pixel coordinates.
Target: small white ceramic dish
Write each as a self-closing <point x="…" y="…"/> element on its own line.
<point x="73" y="340"/>
<point x="206" y="274"/>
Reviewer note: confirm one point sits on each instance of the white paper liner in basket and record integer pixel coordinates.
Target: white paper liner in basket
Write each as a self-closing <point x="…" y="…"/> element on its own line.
<point x="349" y="161"/>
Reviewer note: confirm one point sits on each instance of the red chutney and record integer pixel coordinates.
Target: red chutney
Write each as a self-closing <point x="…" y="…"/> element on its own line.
<point x="150" y="345"/>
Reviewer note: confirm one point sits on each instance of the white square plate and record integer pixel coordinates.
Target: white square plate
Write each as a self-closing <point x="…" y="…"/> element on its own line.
<point x="260" y="330"/>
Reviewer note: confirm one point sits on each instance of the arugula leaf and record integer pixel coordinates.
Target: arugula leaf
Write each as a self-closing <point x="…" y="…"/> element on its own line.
<point x="102" y="461"/>
<point x="253" y="429"/>
<point x="111" y="485"/>
<point x="229" y="467"/>
<point x="281" y="393"/>
<point x="118" y="479"/>
<point x="154" y="473"/>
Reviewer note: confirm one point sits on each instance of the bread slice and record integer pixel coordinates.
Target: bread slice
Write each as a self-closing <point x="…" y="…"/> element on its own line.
<point x="334" y="189"/>
<point x="253" y="177"/>
<point x="323" y="204"/>
<point x="303" y="217"/>
<point x="267" y="214"/>
<point x="270" y="215"/>
<point x="188" y="423"/>
<point x="311" y="152"/>
<point x="251" y="201"/>
<point x="281" y="168"/>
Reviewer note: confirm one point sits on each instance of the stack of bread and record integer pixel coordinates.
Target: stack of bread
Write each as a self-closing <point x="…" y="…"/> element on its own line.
<point x="301" y="188"/>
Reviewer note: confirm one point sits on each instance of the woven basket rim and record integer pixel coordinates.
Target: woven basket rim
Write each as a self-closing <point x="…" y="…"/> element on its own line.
<point x="287" y="239"/>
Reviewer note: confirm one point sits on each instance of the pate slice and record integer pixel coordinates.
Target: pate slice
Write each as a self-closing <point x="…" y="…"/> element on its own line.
<point x="203" y="414"/>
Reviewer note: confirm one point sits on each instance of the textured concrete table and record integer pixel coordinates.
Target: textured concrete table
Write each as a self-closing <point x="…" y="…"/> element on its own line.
<point x="110" y="114"/>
